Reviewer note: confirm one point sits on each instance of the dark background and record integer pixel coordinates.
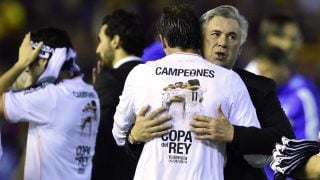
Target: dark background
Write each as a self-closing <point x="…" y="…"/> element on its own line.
<point x="82" y="18"/>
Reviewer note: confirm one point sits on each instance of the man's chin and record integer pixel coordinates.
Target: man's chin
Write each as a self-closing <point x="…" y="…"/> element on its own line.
<point x="219" y="62"/>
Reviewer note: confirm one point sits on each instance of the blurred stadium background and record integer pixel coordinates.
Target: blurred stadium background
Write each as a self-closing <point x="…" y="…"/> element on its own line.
<point x="82" y="18"/>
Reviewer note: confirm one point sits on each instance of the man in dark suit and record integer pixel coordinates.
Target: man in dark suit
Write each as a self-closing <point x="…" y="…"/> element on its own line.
<point x="224" y="32"/>
<point x="121" y="43"/>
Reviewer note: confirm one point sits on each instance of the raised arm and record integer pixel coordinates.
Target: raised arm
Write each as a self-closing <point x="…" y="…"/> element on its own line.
<point x="26" y="56"/>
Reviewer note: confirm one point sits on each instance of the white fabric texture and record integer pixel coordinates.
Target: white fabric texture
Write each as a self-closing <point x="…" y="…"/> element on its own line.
<point x="63" y="122"/>
<point x="253" y="67"/>
<point x="179" y="155"/>
<point x="59" y="56"/>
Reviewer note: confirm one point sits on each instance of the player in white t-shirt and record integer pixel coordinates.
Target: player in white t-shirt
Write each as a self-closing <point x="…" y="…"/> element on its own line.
<point x="178" y="155"/>
<point x="62" y="110"/>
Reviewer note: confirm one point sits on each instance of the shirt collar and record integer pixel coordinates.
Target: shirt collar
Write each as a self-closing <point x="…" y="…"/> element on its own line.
<point x="125" y="60"/>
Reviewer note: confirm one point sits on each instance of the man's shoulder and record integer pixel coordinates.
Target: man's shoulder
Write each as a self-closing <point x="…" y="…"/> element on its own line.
<point x="36" y="88"/>
<point x="255" y="81"/>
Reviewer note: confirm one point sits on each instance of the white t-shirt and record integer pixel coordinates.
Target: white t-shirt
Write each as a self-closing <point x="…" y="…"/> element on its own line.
<point x="179" y="155"/>
<point x="253" y="67"/>
<point x="63" y="121"/>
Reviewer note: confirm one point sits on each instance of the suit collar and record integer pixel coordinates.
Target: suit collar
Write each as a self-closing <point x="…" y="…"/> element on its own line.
<point x="125" y="60"/>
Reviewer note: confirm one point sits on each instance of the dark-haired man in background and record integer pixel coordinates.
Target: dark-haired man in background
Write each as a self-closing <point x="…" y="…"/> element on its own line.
<point x="121" y="43"/>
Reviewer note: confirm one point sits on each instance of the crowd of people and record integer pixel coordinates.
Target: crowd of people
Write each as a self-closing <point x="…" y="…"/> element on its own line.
<point x="187" y="113"/>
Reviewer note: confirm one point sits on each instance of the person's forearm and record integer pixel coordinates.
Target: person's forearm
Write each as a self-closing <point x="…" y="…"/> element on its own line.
<point x="133" y="150"/>
<point x="9" y="77"/>
<point x="274" y="125"/>
<point x="26" y="56"/>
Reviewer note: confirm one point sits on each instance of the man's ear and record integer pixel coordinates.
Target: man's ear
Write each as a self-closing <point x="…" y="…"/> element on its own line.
<point x="116" y="42"/>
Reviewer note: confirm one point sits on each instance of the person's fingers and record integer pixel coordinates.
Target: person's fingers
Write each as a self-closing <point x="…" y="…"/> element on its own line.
<point x="200" y="131"/>
<point x="160" y="120"/>
<point x="26" y="54"/>
<point x="158" y="134"/>
<point x="220" y="112"/>
<point x="201" y="118"/>
<point x="27" y="42"/>
<point x="156" y="112"/>
<point x="38" y="48"/>
<point x="203" y="137"/>
<point x="199" y="124"/>
<point x="163" y="127"/>
<point x="26" y="39"/>
<point x="143" y="110"/>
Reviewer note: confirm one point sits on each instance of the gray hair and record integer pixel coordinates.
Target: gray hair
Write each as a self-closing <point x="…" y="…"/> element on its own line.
<point x="227" y="11"/>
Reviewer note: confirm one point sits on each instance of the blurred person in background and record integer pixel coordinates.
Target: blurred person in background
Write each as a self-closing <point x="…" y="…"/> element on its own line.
<point x="280" y="38"/>
<point x="281" y="31"/>
<point x="298" y="94"/>
<point x="121" y="42"/>
<point x="62" y="110"/>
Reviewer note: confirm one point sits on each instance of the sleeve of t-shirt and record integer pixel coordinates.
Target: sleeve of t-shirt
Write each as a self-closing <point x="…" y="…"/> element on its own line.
<point x="125" y="112"/>
<point x="242" y="112"/>
<point x="32" y="105"/>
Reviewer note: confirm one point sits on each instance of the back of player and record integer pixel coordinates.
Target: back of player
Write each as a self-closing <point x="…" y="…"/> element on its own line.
<point x="62" y="128"/>
<point x="178" y="155"/>
<point x="63" y="111"/>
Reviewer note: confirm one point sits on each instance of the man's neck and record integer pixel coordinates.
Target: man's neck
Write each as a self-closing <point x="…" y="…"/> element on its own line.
<point x="170" y="50"/>
<point x="119" y="54"/>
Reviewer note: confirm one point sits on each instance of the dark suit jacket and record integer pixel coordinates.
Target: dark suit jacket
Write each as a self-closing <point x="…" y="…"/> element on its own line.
<point x="110" y="161"/>
<point x="251" y="140"/>
<point x="274" y="123"/>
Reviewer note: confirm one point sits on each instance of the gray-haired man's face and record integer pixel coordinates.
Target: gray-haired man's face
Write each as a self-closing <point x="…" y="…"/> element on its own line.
<point x="221" y="41"/>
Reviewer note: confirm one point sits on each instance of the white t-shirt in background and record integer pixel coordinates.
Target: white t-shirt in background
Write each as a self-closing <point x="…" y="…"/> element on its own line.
<point x="63" y="121"/>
